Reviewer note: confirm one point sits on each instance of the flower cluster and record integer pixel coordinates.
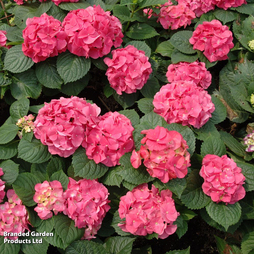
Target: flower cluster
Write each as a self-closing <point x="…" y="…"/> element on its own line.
<point x="49" y="196"/>
<point x="249" y="142"/>
<point x="148" y="211"/>
<point x="61" y="124"/>
<point x="223" y="180"/>
<point x="43" y="37"/>
<point x="3" y="38"/>
<point x="26" y="124"/>
<point x="86" y="204"/>
<point x="92" y="32"/>
<point x="225" y="4"/>
<point x="214" y="39"/>
<point x="110" y="139"/>
<point x="165" y="154"/>
<point x="128" y="70"/>
<point x="2" y="186"/>
<point x="183" y="102"/>
<point x="14" y="216"/>
<point x="195" y="72"/>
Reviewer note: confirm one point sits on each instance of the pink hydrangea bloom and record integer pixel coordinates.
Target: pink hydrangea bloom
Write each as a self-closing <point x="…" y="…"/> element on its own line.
<point x="110" y="139"/>
<point x="43" y="37"/>
<point x="128" y="70"/>
<point x="86" y="204"/>
<point x="214" y="39"/>
<point x="19" y="2"/>
<point x="92" y="32"/>
<point x="175" y="16"/>
<point x="2" y="186"/>
<point x="148" y="211"/>
<point x="3" y="38"/>
<point x="165" y="154"/>
<point x="225" y="4"/>
<point x="223" y="180"/>
<point x="14" y="216"/>
<point x="49" y="196"/>
<point x="249" y="142"/>
<point x="183" y="102"/>
<point x="61" y="124"/>
<point x="195" y="72"/>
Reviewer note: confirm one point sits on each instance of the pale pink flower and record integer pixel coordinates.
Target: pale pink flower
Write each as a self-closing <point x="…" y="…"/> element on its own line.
<point x="92" y="32"/>
<point x="61" y="124"/>
<point x="214" y="39"/>
<point x="110" y="139"/>
<point x="249" y="142"/>
<point x="223" y="179"/>
<point x="2" y="186"/>
<point x="183" y="102"/>
<point x="86" y="204"/>
<point x="164" y="153"/>
<point x="225" y="4"/>
<point x="128" y="70"/>
<point x="43" y="37"/>
<point x="147" y="211"/>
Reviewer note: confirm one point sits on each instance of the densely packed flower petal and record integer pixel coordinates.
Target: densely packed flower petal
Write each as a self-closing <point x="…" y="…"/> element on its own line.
<point x="3" y="38"/>
<point x="164" y="153"/>
<point x="183" y="102"/>
<point x="110" y="139"/>
<point x="249" y="142"/>
<point x="195" y="72"/>
<point x="92" y="32"/>
<point x="214" y="39"/>
<point x="43" y="37"/>
<point x="148" y="211"/>
<point x="225" y="4"/>
<point x="86" y="204"/>
<point x="128" y="70"/>
<point x="49" y="197"/>
<point x="2" y="186"/>
<point x="61" y="124"/>
<point x="223" y="179"/>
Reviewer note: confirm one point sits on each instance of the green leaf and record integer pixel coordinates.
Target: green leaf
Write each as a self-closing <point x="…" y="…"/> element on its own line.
<point x="24" y="188"/>
<point x="165" y="48"/>
<point x="122" y="12"/>
<point x="193" y="196"/>
<point x="86" y="168"/>
<point x="74" y="6"/>
<point x="202" y="58"/>
<point x="248" y="172"/>
<point x="177" y="57"/>
<point x="97" y="2"/>
<point x="145" y="105"/>
<point x="37" y="245"/>
<point x="225" y="16"/>
<point x="150" y="88"/>
<point x="140" y="45"/>
<point x="55" y="164"/>
<point x="8" y="151"/>
<point x="182" y="226"/>
<point x="7" y="133"/>
<point x="247" y="245"/>
<point x="66" y="230"/>
<point x="85" y="247"/>
<point x="137" y="136"/>
<point x="56" y="12"/>
<point x="46" y="73"/>
<point x="113" y="177"/>
<point x="25" y="84"/>
<point x="72" y="67"/>
<point x="147" y="3"/>
<point x="180" y="40"/>
<point x="220" y="112"/>
<point x="225" y="215"/>
<point x="116" y="220"/>
<point x="131" y="114"/>
<point x="119" y="245"/>
<point x="224" y="247"/>
<point x="35" y="108"/>
<point x="213" y="146"/>
<point x="141" y="31"/>
<point x="76" y="87"/>
<point x="126" y="100"/>
<point x="61" y="177"/>
<point x="11" y="171"/>
<point x="186" y="251"/>
<point x="152" y="119"/>
<point x="245" y="9"/>
<point x="19" y="109"/>
<point x="15" y="61"/>
<point x="40" y="170"/>
<point x="206" y="131"/>
<point x="8" y="248"/>
<point x="33" y="152"/>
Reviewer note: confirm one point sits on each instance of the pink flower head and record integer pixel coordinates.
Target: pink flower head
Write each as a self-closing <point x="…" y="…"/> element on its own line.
<point x="19" y="2"/>
<point x="49" y="196"/>
<point x="86" y="204"/>
<point x="249" y="142"/>
<point x="214" y="39"/>
<point x="43" y="38"/>
<point x="148" y="211"/>
<point x="13" y="216"/>
<point x="110" y="139"/>
<point x="175" y="16"/>
<point x="3" y="38"/>
<point x="165" y="154"/>
<point x="225" y="4"/>
<point x="195" y="72"/>
<point x="92" y="32"/>
<point x="223" y="180"/>
<point x="128" y="70"/>
<point x="61" y="124"/>
<point x="183" y="102"/>
<point x="2" y="186"/>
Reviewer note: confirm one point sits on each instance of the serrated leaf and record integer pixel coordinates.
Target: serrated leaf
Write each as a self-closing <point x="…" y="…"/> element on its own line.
<point x="185" y="251"/>
<point x="193" y="196"/>
<point x="182" y="226"/>
<point x="248" y="172"/>
<point x="24" y="188"/>
<point x="33" y="152"/>
<point x="245" y="9"/>
<point x="7" y="133"/>
<point x="122" y="12"/>
<point x="150" y="88"/>
<point x="46" y="225"/>
<point x="15" y="61"/>
<point x="213" y="146"/>
<point x="119" y="245"/>
<point x="71" y="67"/>
<point x="152" y="119"/>
<point x="61" y="177"/>
<point x="141" y="31"/>
<point x="8" y="248"/>
<point x="56" y="240"/>
<point x="177" y="57"/>
<point x="86" y="168"/>
<point x="11" y="171"/>
<point x="113" y="177"/>
<point x="74" y="6"/>
<point x="126" y="100"/>
<point x="220" y="112"/>
<point x="137" y="136"/>
<point x="165" y="48"/>
<point x="147" y="3"/>
<point x="56" y="12"/>
<point x="225" y="215"/>
<point x="97" y="2"/>
<point x="40" y="170"/>
<point x="33" y="217"/>
<point x="247" y="245"/>
<point x="176" y="185"/>
<point x="8" y="151"/>
<point x="19" y="109"/>
<point x="37" y="245"/>
<point x="145" y="105"/>
<point x="206" y="131"/>
<point x="225" y="16"/>
<point x="76" y="87"/>
<point x="131" y="114"/>
<point x="115" y="221"/>
<point x="55" y="165"/>
<point x="140" y="45"/>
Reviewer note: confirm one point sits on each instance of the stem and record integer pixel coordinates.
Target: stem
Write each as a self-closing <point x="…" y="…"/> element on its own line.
<point x="5" y="14"/>
<point x="127" y="26"/>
